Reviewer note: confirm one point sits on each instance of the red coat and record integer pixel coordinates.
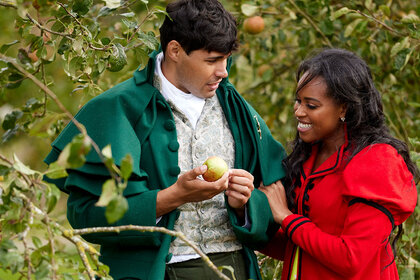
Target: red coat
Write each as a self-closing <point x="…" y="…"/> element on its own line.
<point x="345" y="214"/>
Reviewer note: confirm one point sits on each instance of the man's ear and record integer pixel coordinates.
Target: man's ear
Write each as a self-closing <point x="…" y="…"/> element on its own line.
<point x="173" y="50"/>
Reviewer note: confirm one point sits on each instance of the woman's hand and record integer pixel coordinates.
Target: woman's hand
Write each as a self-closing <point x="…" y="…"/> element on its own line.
<point x="276" y="196"/>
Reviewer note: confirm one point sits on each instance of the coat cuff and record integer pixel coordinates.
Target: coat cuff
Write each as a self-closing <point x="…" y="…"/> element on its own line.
<point x="292" y="223"/>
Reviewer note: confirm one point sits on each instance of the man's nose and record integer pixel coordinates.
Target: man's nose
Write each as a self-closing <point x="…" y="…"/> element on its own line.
<point x="221" y="70"/>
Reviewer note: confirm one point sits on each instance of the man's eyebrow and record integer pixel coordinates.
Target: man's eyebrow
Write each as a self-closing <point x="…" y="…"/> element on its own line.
<point x="218" y="56"/>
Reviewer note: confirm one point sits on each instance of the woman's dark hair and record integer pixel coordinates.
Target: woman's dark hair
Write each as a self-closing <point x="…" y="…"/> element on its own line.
<point x="349" y="82"/>
<point x="199" y="24"/>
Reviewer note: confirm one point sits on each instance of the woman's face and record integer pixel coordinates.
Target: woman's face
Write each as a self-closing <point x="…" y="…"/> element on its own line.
<point x="318" y="114"/>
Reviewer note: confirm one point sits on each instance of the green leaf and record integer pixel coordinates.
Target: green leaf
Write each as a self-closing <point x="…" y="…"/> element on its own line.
<point x="76" y="64"/>
<point x="128" y="15"/>
<point x="109" y="191"/>
<point x="142" y="57"/>
<point x="118" y="58"/>
<point x="65" y="44"/>
<point x="10" y="119"/>
<point x="82" y="7"/>
<point x="129" y="23"/>
<point x="327" y="27"/>
<point x="405" y="43"/>
<point x="107" y="152"/>
<point x="112" y="4"/>
<point x="401" y="59"/>
<point x="116" y="209"/>
<point x="248" y="9"/>
<point x="73" y="155"/>
<point x="385" y="9"/>
<point x="10" y="133"/>
<point x="5" y="47"/>
<point x="4" y="170"/>
<point x="56" y="171"/>
<point x="37" y="242"/>
<point x="340" y="13"/>
<point x="126" y="167"/>
<point x="104" y="11"/>
<point x="53" y="195"/>
<point x="32" y="104"/>
<point x="350" y="28"/>
<point x="19" y="166"/>
<point x="410" y="18"/>
<point x="15" y="80"/>
<point x="149" y="40"/>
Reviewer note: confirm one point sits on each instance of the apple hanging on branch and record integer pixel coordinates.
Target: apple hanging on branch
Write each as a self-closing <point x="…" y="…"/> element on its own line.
<point x="216" y="167"/>
<point x="254" y="25"/>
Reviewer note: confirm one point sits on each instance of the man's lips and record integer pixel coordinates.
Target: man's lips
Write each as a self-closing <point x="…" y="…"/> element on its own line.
<point x="214" y="86"/>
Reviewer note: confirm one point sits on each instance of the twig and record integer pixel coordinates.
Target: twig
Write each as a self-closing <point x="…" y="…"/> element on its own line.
<point x="8" y="5"/>
<point x="66" y="35"/>
<point x="154" y="229"/>
<point x="25" y="245"/>
<point x="85" y="260"/>
<point x="381" y="23"/>
<point x="311" y="22"/>
<point x="51" y="241"/>
<point x="83" y="27"/>
<point x="82" y="247"/>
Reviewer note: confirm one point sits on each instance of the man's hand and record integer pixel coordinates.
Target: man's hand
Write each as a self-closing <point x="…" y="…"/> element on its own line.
<point x="277" y="198"/>
<point x="188" y="188"/>
<point x="241" y="185"/>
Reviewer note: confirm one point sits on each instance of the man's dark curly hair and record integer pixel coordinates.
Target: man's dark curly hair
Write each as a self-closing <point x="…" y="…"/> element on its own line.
<point x="199" y="24"/>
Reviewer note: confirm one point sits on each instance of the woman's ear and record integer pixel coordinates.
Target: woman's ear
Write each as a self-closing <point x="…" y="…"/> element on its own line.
<point x="343" y="111"/>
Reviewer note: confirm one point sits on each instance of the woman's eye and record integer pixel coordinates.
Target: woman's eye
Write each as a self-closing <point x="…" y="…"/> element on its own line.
<point x="311" y="107"/>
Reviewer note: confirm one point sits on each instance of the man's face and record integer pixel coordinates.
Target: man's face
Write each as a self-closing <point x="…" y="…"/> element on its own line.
<point x="200" y="72"/>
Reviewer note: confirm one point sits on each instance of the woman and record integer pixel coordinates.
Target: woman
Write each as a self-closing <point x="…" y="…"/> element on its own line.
<point x="349" y="182"/>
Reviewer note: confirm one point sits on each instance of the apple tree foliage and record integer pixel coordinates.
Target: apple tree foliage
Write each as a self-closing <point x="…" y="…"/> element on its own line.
<point x="56" y="55"/>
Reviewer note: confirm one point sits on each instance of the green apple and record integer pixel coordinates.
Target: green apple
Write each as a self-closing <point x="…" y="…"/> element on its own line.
<point x="216" y="167"/>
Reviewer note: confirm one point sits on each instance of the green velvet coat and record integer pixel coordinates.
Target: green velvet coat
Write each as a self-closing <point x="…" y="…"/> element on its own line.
<point x="134" y="118"/>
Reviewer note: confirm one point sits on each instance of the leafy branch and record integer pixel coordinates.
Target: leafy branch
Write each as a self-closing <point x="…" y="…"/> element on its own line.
<point x="54" y="97"/>
<point x="311" y="22"/>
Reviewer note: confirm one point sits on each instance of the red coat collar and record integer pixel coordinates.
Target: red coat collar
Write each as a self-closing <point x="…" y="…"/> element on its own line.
<point x="328" y="166"/>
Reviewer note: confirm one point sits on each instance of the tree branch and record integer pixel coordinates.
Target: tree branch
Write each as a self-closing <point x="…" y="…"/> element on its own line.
<point x="154" y="229"/>
<point x="381" y="23"/>
<point x="66" y="35"/>
<point x="8" y="5"/>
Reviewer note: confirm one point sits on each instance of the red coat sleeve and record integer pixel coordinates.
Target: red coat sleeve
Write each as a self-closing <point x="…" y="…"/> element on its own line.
<point x="379" y="174"/>
<point x="277" y="245"/>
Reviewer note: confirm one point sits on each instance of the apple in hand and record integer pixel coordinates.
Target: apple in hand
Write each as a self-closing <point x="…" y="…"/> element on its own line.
<point x="216" y="167"/>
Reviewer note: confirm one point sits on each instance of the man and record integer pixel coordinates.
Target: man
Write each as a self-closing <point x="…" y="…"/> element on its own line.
<point x="170" y="117"/>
